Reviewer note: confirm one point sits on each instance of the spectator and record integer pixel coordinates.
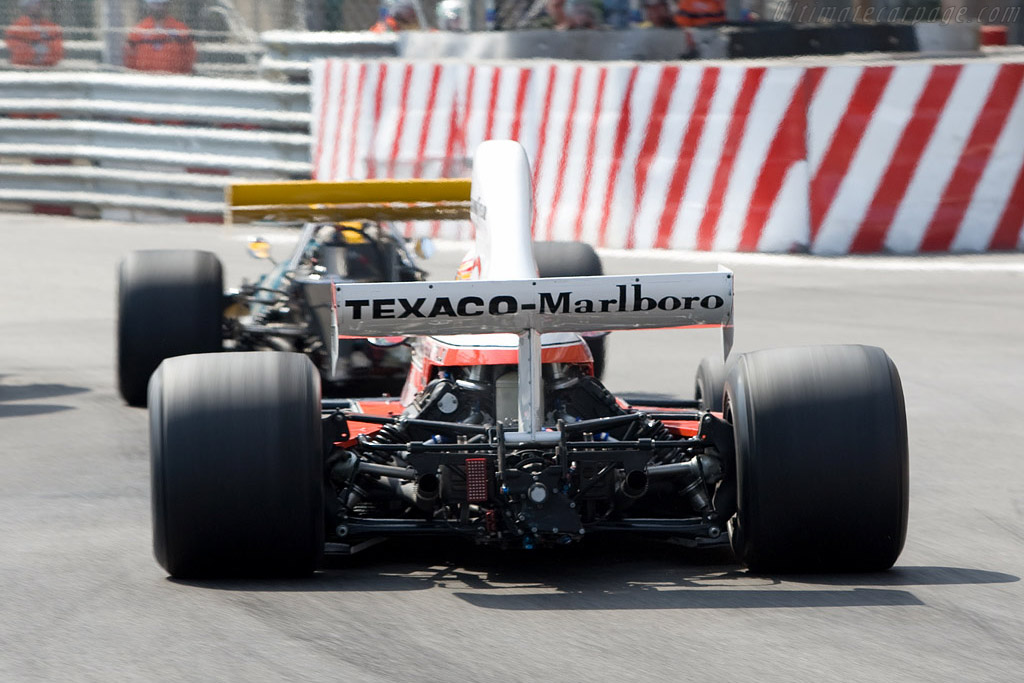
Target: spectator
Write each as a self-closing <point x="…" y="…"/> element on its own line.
<point x="160" y="43"/>
<point x="700" y="12"/>
<point x="553" y="15"/>
<point x="451" y="16"/>
<point x="564" y="14"/>
<point x="617" y="13"/>
<point x="582" y="14"/>
<point x="568" y="14"/>
<point x="657" y="15"/>
<point x="32" y="40"/>
<point x="400" y="16"/>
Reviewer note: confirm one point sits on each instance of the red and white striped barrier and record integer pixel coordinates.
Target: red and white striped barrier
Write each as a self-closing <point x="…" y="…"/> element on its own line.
<point x="903" y="158"/>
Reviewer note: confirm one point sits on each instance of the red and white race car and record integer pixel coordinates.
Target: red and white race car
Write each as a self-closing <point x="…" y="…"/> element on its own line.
<point x="503" y="435"/>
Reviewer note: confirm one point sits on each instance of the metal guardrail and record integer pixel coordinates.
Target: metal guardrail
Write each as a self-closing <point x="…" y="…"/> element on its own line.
<point x="152" y="185"/>
<point x="156" y="89"/>
<point x="134" y="146"/>
<point x="268" y="148"/>
<point x="185" y="113"/>
<point x="289" y="53"/>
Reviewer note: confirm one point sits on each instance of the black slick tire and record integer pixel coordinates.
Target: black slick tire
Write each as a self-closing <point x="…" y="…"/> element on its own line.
<point x="169" y="304"/>
<point x="709" y="383"/>
<point x="573" y="259"/>
<point x="237" y="471"/>
<point x="822" y="459"/>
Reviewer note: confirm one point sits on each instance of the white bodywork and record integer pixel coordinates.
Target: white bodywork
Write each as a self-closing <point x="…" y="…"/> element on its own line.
<point x="508" y="297"/>
<point x="501" y="209"/>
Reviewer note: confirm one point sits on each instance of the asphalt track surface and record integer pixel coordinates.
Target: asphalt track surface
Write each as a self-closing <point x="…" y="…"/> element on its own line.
<point x="83" y="599"/>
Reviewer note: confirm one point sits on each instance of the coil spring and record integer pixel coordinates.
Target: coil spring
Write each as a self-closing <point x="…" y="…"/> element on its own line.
<point x="655" y="429"/>
<point x="388" y="434"/>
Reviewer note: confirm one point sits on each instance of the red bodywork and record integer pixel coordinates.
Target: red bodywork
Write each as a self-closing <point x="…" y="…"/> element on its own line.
<point x="434" y="354"/>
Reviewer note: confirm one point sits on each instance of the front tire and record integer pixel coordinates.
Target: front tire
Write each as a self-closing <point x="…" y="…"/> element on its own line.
<point x="709" y="383"/>
<point x="822" y="459"/>
<point x="237" y="471"/>
<point x="170" y="303"/>
<point x="573" y="259"/>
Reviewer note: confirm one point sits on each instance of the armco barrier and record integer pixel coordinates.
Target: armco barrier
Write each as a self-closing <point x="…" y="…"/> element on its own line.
<point x="155" y="89"/>
<point x="902" y="157"/>
<point x="289" y="53"/>
<point x="134" y="146"/>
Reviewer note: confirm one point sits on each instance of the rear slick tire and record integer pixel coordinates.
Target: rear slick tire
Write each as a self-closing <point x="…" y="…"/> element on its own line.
<point x="573" y="259"/>
<point x="237" y="467"/>
<point x="822" y="459"/>
<point x="170" y="303"/>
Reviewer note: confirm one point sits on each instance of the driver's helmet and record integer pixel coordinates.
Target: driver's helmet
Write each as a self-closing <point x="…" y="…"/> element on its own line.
<point x="347" y="232"/>
<point x="346" y="251"/>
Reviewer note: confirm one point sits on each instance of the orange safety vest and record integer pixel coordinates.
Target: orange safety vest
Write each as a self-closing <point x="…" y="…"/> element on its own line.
<point x="700" y="12"/>
<point x="165" y="48"/>
<point x="385" y="25"/>
<point x="33" y="44"/>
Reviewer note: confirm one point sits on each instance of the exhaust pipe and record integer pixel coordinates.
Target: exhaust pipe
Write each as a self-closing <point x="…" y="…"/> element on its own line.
<point x="676" y="470"/>
<point x="698" y="467"/>
<point x="699" y="474"/>
<point x="631" y="487"/>
<point x="423" y="493"/>
<point x="634" y="484"/>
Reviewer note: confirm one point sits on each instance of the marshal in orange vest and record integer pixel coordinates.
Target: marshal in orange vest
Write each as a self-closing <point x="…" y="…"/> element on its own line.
<point x="34" y="42"/>
<point x="164" y="46"/>
<point x="700" y="12"/>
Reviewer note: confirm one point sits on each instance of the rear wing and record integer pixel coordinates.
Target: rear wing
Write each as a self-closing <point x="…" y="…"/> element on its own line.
<point x="524" y="307"/>
<point x="381" y="200"/>
<point x="571" y="304"/>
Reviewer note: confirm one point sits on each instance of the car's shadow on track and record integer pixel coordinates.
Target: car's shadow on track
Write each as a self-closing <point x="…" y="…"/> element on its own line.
<point x="608" y="574"/>
<point x="11" y="397"/>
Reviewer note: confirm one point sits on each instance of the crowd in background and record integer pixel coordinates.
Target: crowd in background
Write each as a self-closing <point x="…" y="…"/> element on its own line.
<point x="163" y="43"/>
<point x="453" y="15"/>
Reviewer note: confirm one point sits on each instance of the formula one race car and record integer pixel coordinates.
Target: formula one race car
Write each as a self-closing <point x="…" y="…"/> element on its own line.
<point x="504" y="437"/>
<point x="172" y="302"/>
